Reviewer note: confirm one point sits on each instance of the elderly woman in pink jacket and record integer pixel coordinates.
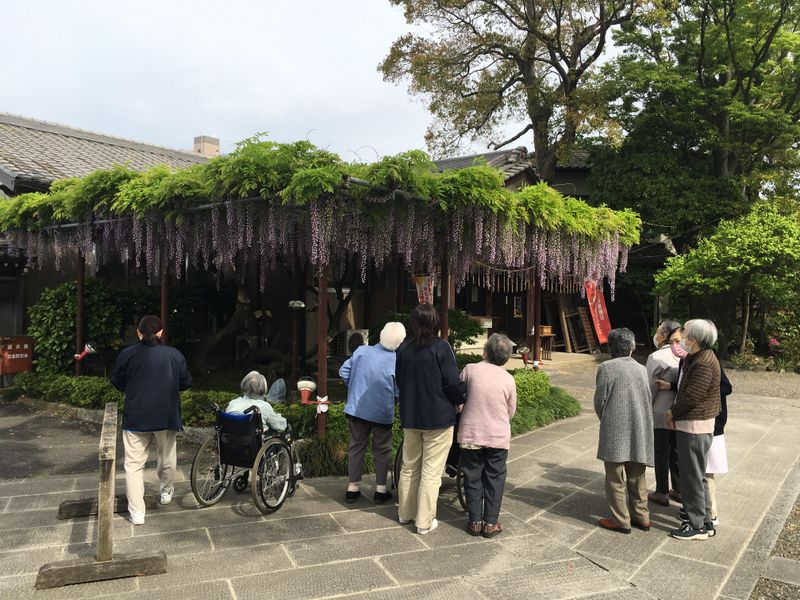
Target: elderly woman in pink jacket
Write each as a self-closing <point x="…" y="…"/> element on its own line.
<point x="484" y="434"/>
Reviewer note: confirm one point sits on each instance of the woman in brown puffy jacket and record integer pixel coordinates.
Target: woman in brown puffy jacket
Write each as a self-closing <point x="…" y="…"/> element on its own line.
<point x="692" y="416"/>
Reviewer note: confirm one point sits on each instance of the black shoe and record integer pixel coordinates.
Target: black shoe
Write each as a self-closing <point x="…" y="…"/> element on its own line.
<point x="686" y="532"/>
<point x="381" y="497"/>
<point x="710" y="529"/>
<point x="351" y="497"/>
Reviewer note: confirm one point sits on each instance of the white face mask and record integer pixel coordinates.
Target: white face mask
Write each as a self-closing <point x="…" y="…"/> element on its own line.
<point x="655" y="341"/>
<point x="686" y="347"/>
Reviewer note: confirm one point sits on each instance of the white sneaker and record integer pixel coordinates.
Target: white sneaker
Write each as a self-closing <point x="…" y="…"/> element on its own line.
<point x="404" y="521"/>
<point x="434" y="525"/>
<point x="166" y="495"/>
<point x="137" y="518"/>
<point x="715" y="521"/>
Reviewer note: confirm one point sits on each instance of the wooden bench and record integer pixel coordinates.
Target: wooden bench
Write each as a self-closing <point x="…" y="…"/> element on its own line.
<point x="106" y="564"/>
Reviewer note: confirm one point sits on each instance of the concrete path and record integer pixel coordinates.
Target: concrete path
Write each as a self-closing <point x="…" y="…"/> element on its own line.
<point x="317" y="546"/>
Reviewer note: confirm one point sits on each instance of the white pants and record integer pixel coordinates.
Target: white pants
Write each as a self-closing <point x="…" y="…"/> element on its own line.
<point x="137" y="447"/>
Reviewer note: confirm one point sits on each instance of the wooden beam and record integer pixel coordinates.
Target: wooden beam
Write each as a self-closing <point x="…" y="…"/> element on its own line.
<point x="164" y="297"/>
<point x="105" y="496"/>
<point x="322" y="346"/>
<point x="562" y="317"/>
<point x="80" y="304"/>
<point x="84" y="570"/>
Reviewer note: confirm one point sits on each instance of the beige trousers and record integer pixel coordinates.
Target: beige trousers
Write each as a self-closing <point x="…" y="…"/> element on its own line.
<point x="626" y="484"/>
<point x="424" y="454"/>
<point x="137" y="447"/>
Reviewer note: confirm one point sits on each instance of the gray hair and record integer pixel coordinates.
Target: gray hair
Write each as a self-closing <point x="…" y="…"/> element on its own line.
<point x="498" y="349"/>
<point x="621" y="342"/>
<point x="392" y="335"/>
<point x="668" y="327"/>
<point x="702" y="331"/>
<point x="254" y="386"/>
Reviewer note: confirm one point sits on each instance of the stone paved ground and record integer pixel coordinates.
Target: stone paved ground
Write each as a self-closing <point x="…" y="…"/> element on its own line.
<point x="316" y="546"/>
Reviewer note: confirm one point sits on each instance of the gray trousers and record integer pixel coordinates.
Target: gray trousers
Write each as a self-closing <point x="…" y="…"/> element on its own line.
<point x="692" y="450"/>
<point x="381" y="450"/>
<point x="484" y="478"/>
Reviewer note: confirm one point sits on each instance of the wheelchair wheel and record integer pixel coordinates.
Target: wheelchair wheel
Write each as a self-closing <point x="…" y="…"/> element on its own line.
<point x="272" y="475"/>
<point x="240" y="483"/>
<point x="209" y="476"/>
<point x="398" y="464"/>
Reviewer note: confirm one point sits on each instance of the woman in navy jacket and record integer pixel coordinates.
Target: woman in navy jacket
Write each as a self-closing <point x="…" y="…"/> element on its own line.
<point x="151" y="374"/>
<point x="430" y="389"/>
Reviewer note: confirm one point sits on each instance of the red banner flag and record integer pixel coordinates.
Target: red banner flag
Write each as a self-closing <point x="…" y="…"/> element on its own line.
<point x="597" y="306"/>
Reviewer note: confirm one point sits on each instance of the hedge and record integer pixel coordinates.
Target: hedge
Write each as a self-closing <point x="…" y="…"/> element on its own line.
<point x="538" y="404"/>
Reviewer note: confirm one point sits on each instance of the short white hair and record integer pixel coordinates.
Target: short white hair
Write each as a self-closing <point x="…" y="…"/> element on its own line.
<point x="392" y="335"/>
<point x="702" y="331"/>
<point x="254" y="386"/>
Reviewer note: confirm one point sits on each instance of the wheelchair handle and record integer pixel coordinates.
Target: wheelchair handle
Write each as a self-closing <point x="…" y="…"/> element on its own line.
<point x="253" y="408"/>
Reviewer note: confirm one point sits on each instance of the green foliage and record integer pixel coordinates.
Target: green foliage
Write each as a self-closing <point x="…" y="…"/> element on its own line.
<point x="463" y="329"/>
<point x="53" y="323"/>
<point x="539" y="403"/>
<point x="83" y="392"/>
<point x="462" y="360"/>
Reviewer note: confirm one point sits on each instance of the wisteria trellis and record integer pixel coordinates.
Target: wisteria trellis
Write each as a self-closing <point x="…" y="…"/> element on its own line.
<point x="329" y="230"/>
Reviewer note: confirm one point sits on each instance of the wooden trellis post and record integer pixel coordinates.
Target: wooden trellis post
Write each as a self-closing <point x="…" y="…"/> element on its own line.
<point x="105" y="565"/>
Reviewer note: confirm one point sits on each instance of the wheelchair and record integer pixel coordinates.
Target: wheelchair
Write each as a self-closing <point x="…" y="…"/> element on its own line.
<point x="241" y="449"/>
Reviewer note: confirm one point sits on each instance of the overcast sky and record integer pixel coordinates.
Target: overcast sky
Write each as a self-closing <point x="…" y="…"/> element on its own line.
<point x="165" y="71"/>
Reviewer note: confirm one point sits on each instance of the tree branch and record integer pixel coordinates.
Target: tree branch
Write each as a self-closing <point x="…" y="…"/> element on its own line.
<point x="496" y="146"/>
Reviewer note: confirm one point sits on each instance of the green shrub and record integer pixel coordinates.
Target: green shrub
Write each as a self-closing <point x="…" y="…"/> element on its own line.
<point x="92" y="392"/>
<point x="539" y="403"/>
<point x="462" y="360"/>
<point x="53" y="324"/>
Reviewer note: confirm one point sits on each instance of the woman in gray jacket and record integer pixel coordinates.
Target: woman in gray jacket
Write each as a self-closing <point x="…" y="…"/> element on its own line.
<point x="622" y="401"/>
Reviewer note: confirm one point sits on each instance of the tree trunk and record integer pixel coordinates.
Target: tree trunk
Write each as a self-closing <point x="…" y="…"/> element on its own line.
<point x="745" y="320"/>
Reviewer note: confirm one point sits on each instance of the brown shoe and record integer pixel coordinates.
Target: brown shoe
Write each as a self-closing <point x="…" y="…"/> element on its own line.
<point x="613" y="525"/>
<point x="492" y="530"/>
<point x="656" y="498"/>
<point x="644" y="525"/>
<point x="474" y="528"/>
<point x="675" y="496"/>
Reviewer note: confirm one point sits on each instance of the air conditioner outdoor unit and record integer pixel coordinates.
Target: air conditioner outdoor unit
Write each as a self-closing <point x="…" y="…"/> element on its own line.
<point x="351" y="339"/>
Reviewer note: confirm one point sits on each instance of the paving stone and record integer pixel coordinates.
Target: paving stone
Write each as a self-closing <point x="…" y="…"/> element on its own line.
<point x="771" y="465"/>
<point x="41" y="501"/>
<point x="211" y="590"/>
<point x="38" y="485"/>
<point x="723" y="549"/>
<point x="248" y="534"/>
<point x="453" y="533"/>
<point x="354" y="545"/>
<point x="520" y="508"/>
<point x="222" y="564"/>
<point x="482" y="557"/>
<point x="383" y="517"/>
<point x="745" y="576"/>
<point x="633" y="548"/>
<point x="542" y="494"/>
<point x="740" y="509"/>
<point x="783" y="569"/>
<point x="582" y="507"/>
<point x="560" y="530"/>
<point x="670" y="577"/>
<point x="59" y="535"/>
<point x="25" y="590"/>
<point x="536" y="548"/>
<point x="431" y="590"/>
<point x="313" y="582"/>
<point x="174" y="544"/>
<point x="566" y="579"/>
<point x="15" y="562"/>
<point x="630" y="593"/>
<point x="621" y="569"/>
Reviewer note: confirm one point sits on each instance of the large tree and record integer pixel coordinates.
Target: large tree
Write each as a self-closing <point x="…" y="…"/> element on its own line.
<point x="707" y="93"/>
<point x="484" y="63"/>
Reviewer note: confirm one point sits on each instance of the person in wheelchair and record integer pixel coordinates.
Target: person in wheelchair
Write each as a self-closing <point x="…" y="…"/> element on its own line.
<point x="254" y="389"/>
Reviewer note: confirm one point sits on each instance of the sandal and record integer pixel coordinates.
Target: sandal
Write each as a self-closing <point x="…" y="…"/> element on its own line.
<point x="492" y="530"/>
<point x="474" y="528"/>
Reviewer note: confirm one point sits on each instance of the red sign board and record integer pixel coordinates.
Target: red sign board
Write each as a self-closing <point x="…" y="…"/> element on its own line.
<point x="597" y="306"/>
<point x="17" y="354"/>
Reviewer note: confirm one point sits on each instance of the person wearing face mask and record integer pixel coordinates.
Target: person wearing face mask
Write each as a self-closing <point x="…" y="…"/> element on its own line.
<point x="693" y="417"/>
<point x="662" y="365"/>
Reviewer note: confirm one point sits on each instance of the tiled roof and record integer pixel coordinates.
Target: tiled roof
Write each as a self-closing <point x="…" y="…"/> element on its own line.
<point x="512" y="161"/>
<point x="36" y="153"/>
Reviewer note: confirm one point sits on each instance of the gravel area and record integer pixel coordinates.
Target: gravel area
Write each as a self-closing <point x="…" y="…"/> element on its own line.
<point x="788" y="544"/>
<point x="766" y="589"/>
<point x="761" y="383"/>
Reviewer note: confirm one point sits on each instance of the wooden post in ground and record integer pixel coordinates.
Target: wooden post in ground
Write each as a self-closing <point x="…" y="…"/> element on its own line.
<point x="164" y="296"/>
<point x="322" y="346"/>
<point x="105" y="565"/>
<point x="444" y="323"/>
<point x="537" y="324"/>
<point x="80" y="305"/>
